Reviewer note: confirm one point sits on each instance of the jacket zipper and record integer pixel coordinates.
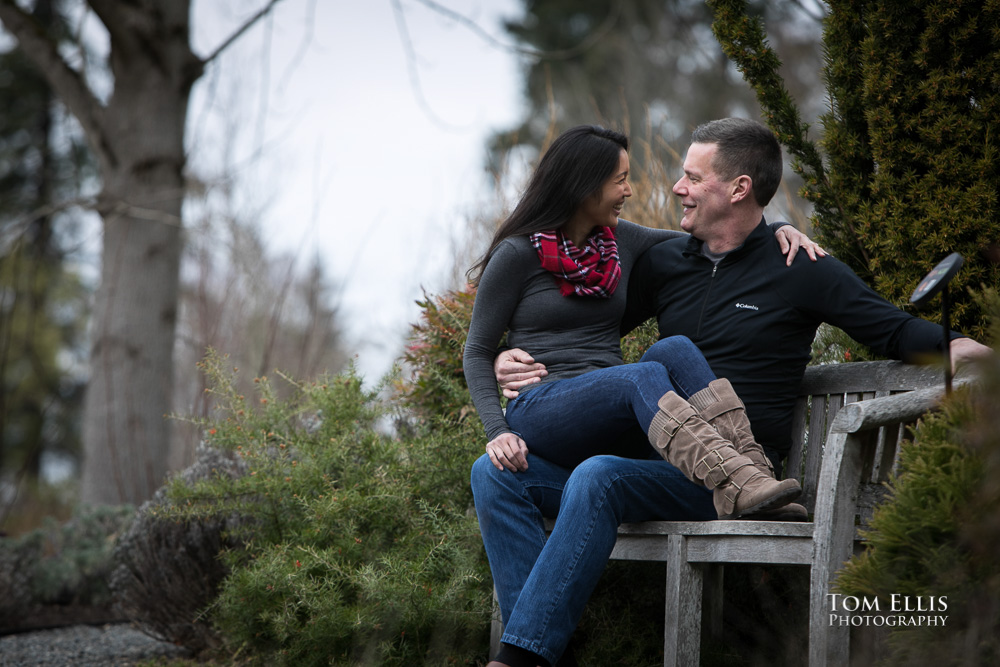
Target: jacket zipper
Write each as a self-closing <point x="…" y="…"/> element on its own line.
<point x="704" y="303"/>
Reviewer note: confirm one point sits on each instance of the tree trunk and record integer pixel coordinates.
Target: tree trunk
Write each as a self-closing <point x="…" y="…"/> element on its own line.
<point x="125" y="430"/>
<point x="138" y="139"/>
<point x="125" y="425"/>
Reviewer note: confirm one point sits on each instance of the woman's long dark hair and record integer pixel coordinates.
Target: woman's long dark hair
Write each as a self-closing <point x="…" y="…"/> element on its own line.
<point x="574" y="167"/>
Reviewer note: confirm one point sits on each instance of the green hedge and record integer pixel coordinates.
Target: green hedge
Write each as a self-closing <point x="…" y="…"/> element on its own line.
<point x="360" y="548"/>
<point x="905" y="169"/>
<point x="937" y="533"/>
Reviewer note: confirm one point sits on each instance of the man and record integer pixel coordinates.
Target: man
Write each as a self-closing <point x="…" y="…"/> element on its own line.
<point x="755" y="326"/>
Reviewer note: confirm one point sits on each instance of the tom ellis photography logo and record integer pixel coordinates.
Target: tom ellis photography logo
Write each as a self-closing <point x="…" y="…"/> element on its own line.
<point x="897" y="611"/>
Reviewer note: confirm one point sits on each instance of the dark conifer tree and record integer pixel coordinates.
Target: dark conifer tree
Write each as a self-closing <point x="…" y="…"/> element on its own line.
<point x="638" y="65"/>
<point x="906" y="171"/>
<point x="42" y="300"/>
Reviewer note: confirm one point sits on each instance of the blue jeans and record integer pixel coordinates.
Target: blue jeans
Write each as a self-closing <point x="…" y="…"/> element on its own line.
<point x="606" y="411"/>
<point x="542" y="585"/>
<point x="571" y="426"/>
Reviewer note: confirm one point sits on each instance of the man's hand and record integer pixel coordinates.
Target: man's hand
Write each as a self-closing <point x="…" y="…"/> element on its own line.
<point x="966" y="350"/>
<point x="508" y="451"/>
<point x="515" y="369"/>
<point x="791" y="239"/>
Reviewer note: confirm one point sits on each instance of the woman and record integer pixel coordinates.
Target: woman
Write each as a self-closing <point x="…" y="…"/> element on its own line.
<point x="554" y="278"/>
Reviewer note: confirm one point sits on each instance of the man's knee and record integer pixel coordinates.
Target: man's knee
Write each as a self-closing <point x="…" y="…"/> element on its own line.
<point x="597" y="482"/>
<point x="487" y="480"/>
<point x="483" y="473"/>
<point x="595" y="475"/>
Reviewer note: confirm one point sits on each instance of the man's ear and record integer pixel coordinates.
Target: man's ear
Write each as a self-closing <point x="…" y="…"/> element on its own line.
<point x="741" y="188"/>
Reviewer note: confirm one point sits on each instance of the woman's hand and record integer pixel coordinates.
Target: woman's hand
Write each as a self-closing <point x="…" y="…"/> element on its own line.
<point x="508" y="451"/>
<point x="791" y="239"/>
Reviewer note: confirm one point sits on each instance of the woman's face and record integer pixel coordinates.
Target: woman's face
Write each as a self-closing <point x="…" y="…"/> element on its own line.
<point x="605" y="207"/>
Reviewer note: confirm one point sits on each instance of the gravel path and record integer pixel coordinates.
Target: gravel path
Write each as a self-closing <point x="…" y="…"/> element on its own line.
<point x="114" y="645"/>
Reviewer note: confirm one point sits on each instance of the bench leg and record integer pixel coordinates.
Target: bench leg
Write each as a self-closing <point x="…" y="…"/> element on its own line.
<point x="682" y="618"/>
<point x="829" y="644"/>
<point x="712" y="599"/>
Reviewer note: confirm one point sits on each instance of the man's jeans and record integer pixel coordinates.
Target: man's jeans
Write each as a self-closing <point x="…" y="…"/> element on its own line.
<point x="542" y="586"/>
<point x="568" y="421"/>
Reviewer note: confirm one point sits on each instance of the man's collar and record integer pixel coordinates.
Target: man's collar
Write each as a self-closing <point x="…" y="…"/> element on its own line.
<point x="757" y="235"/>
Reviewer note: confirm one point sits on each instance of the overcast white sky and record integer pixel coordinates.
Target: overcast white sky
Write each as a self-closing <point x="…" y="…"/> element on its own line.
<point x="352" y="166"/>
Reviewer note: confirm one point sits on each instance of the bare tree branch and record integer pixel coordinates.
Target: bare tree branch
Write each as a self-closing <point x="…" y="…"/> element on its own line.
<point x="119" y="19"/>
<point x="592" y="39"/>
<point x="14" y="230"/>
<point x="411" y="63"/>
<point x="264" y="11"/>
<point x="265" y="82"/>
<point x="411" y="57"/>
<point x="303" y="47"/>
<point x="68" y="84"/>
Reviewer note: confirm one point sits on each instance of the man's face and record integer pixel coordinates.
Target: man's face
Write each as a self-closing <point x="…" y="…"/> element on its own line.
<point x="707" y="201"/>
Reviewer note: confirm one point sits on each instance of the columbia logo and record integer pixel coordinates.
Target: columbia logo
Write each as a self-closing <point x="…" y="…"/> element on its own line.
<point x="746" y="306"/>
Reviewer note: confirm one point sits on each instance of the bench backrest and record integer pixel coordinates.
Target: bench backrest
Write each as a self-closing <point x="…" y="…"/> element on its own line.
<point x="825" y="390"/>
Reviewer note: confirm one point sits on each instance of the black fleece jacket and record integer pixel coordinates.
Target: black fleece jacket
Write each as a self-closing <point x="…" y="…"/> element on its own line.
<point x="754" y="319"/>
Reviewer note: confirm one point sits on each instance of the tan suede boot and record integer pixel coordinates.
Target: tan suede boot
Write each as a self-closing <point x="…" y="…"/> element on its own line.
<point x="790" y="512"/>
<point x="690" y="443"/>
<point x="720" y="406"/>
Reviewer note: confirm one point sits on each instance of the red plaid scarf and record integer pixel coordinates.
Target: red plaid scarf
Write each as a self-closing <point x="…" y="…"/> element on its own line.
<point x="589" y="271"/>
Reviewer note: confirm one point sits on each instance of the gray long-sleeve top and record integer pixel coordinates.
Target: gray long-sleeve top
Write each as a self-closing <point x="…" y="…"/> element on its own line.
<point x="570" y="335"/>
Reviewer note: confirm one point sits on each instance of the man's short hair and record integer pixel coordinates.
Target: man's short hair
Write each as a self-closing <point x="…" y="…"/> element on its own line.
<point x="745" y="147"/>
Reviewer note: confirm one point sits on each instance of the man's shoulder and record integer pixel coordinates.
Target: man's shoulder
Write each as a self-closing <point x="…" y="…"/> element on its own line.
<point x="662" y="259"/>
<point x="672" y="246"/>
<point x="824" y="267"/>
<point x="805" y="282"/>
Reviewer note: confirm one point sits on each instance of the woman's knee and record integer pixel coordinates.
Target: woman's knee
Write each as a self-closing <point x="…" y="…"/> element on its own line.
<point x="647" y="372"/>
<point x="673" y="345"/>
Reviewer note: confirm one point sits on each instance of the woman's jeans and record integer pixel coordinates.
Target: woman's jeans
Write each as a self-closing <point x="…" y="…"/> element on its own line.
<point x="603" y="411"/>
<point x="542" y="585"/>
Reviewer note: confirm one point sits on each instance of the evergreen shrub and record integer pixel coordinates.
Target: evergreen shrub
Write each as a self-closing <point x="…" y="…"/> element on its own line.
<point x="59" y="565"/>
<point x="435" y="387"/>
<point x="359" y="546"/>
<point x="906" y="170"/>
<point x="937" y="533"/>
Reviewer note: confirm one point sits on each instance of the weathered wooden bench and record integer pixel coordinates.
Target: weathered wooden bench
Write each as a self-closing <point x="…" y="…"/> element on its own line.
<point x="849" y="421"/>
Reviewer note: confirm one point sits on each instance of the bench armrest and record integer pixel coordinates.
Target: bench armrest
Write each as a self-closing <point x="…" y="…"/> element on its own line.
<point x="876" y="412"/>
<point x="888" y="410"/>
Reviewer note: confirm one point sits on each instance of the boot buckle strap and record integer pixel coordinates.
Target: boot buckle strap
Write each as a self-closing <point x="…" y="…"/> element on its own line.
<point x="712" y="468"/>
<point x="732" y="492"/>
<point x="717" y="463"/>
<point x="671" y="425"/>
